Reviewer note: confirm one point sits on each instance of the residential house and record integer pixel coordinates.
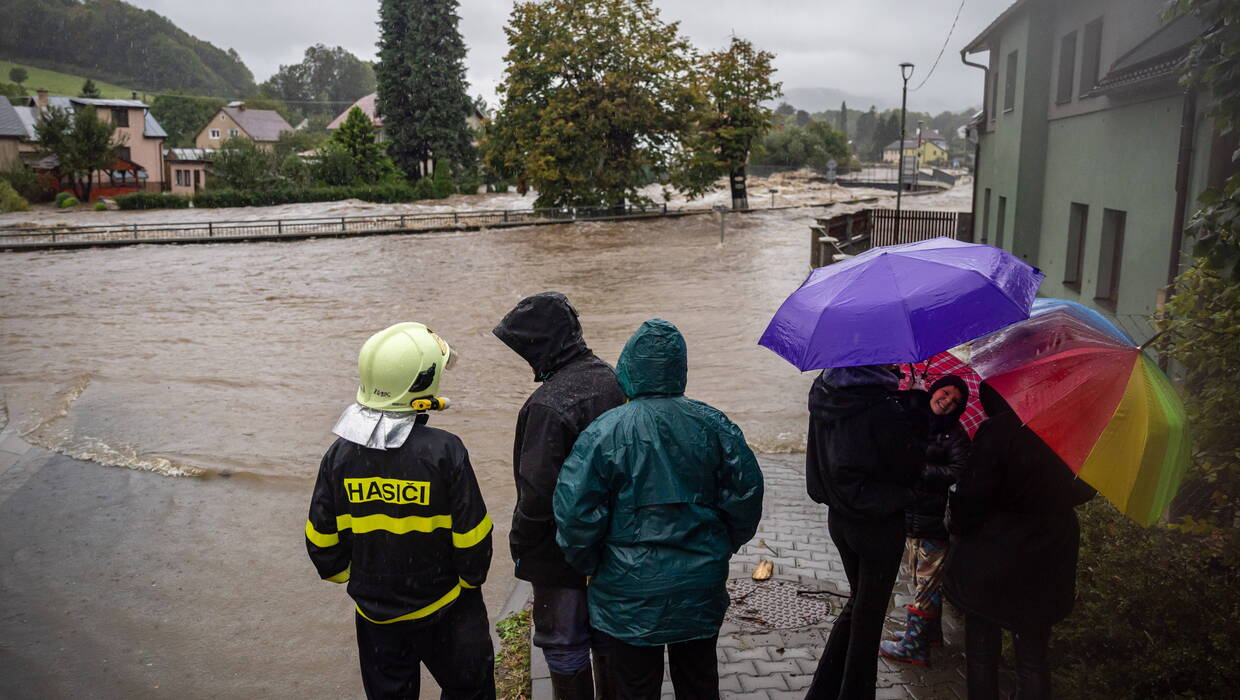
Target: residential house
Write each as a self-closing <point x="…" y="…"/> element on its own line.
<point x="926" y="152"/>
<point x="262" y="126"/>
<point x="1090" y="153"/>
<point x="12" y="131"/>
<point x="369" y="106"/>
<point x="139" y="162"/>
<point x="187" y="169"/>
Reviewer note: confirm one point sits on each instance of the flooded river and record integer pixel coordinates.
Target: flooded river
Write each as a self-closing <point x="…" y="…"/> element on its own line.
<point x="235" y="359"/>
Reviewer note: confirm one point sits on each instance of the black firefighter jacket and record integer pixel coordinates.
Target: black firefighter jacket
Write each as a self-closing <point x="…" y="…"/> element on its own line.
<point x="576" y="388"/>
<point x="405" y="527"/>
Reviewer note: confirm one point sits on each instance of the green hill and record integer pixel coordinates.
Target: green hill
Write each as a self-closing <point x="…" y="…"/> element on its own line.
<point x="59" y="83"/>
<point x="114" y="41"/>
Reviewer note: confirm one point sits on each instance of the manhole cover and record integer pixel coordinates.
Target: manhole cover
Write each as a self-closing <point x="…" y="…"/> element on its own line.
<point x="776" y="605"/>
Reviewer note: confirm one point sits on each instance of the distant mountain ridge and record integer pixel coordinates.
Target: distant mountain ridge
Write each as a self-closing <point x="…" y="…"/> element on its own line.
<point x="114" y="41"/>
<point x="822" y="99"/>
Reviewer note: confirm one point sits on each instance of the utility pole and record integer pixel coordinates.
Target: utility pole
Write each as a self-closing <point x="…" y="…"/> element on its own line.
<point x="917" y="154"/>
<point x="906" y="70"/>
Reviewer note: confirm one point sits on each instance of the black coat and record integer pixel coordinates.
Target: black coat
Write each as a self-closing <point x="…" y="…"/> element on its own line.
<point x="576" y="388"/>
<point x="1015" y="534"/>
<point x="863" y="453"/>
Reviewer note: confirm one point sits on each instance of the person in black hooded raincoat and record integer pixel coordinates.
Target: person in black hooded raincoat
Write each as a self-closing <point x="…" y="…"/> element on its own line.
<point x="863" y="457"/>
<point x="654" y="500"/>
<point x="576" y="387"/>
<point x="1015" y="539"/>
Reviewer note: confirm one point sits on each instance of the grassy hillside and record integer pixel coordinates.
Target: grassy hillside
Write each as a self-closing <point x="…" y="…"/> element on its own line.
<point x="59" y="83"/>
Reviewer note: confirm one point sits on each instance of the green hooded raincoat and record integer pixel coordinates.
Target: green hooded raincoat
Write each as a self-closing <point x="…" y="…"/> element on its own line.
<point x="654" y="499"/>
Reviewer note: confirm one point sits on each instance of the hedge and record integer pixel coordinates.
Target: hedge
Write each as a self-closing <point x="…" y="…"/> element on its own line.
<point x="152" y="200"/>
<point x="211" y="199"/>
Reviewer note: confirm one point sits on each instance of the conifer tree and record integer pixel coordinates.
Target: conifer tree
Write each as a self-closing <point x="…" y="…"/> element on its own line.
<point x="844" y="118"/>
<point x="90" y="90"/>
<point x="421" y="79"/>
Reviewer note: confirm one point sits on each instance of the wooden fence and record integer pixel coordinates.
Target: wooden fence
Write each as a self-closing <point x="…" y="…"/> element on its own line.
<point x="836" y="238"/>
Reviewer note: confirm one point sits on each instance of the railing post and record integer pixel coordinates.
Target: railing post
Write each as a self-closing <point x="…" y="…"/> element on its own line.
<point x="279" y="227"/>
<point x="402" y="221"/>
<point x="505" y="216"/>
<point x="135" y="231"/>
<point x="210" y="229"/>
<point x="342" y="224"/>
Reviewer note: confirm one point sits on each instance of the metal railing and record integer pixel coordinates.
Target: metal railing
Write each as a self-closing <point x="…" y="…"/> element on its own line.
<point x="309" y="227"/>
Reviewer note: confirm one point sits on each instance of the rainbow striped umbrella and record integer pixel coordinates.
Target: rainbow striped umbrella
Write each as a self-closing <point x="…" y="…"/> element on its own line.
<point x="1093" y="396"/>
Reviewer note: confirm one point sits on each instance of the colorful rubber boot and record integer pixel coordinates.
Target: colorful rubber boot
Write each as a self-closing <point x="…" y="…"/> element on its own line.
<point x="915" y="647"/>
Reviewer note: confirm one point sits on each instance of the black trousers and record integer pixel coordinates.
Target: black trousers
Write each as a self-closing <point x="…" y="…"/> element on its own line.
<point x="871" y="552"/>
<point x="455" y="646"/>
<point x="983" y="644"/>
<point x="638" y="671"/>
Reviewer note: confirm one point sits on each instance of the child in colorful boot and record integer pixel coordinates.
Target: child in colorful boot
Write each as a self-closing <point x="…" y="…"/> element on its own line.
<point x="947" y="453"/>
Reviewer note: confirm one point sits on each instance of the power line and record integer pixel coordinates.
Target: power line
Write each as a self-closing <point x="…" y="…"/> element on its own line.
<point x="942" y="48"/>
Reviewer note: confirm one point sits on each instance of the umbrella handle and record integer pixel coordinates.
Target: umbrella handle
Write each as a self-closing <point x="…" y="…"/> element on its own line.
<point x="1149" y="342"/>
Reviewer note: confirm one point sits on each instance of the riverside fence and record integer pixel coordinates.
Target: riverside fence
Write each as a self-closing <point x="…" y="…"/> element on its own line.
<point x="312" y="227"/>
<point x="839" y="237"/>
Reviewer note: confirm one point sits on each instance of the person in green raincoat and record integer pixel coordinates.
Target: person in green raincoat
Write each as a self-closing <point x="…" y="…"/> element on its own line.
<point x="654" y="499"/>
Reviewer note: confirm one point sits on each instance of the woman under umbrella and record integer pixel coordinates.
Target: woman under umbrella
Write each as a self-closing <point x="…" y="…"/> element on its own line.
<point x="1015" y="541"/>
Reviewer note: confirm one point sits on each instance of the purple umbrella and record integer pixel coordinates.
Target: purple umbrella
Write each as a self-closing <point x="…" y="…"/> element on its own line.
<point x="901" y="303"/>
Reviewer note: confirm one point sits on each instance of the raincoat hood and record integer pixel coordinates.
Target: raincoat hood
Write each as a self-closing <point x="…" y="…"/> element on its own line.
<point x="543" y="329"/>
<point x="845" y="391"/>
<point x="654" y="361"/>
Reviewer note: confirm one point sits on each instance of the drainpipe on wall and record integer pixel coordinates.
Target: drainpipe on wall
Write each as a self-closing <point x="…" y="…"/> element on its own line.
<point x="1188" y="134"/>
<point x="977" y="147"/>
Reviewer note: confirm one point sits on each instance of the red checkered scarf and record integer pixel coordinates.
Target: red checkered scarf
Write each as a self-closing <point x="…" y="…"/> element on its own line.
<point x="941" y="365"/>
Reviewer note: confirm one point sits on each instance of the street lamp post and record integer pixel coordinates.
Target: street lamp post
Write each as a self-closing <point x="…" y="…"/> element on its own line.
<point x="906" y="71"/>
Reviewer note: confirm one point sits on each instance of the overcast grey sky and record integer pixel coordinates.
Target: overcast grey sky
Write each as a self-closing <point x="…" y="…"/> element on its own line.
<point x="852" y="45"/>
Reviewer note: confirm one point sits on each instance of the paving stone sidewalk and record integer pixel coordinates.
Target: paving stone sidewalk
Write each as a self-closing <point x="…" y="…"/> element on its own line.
<point x="757" y="664"/>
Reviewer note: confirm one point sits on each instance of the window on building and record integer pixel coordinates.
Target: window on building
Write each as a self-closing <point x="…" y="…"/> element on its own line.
<point x="120" y="117"/>
<point x="123" y="152"/>
<point x="233" y="133"/>
<point x="1078" y="219"/>
<point x="1067" y="68"/>
<point x="215" y="133"/>
<point x="1091" y="56"/>
<point x="1009" y="76"/>
<point x="1110" y="257"/>
<point x="1000" y="222"/>
<point x="986" y="216"/>
<point x="180" y="177"/>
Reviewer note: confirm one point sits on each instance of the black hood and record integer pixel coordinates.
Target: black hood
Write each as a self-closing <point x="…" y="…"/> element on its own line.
<point x="837" y="395"/>
<point x="543" y="329"/>
<point x="992" y="403"/>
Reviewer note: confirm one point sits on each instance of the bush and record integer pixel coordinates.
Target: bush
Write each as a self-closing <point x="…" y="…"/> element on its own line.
<point x="424" y="189"/>
<point x="151" y="200"/>
<point x="383" y="193"/>
<point x="25" y="182"/>
<point x="10" y="200"/>
<point x="100" y="206"/>
<point x="61" y="197"/>
<point x="67" y="202"/>
<point x="1156" y="610"/>
<point x="442" y="180"/>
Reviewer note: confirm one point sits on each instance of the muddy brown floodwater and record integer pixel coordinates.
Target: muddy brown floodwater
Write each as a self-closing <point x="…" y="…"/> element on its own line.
<point x="236" y="359"/>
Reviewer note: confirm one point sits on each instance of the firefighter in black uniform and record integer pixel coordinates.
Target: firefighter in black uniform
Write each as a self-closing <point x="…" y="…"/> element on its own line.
<point x="397" y="514"/>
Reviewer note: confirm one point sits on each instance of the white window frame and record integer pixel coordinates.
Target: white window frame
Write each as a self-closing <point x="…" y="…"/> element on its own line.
<point x="215" y="134"/>
<point x="234" y="133"/>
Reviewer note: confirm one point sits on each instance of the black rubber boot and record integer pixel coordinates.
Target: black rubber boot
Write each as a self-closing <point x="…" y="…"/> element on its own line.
<point x="578" y="686"/>
<point x="604" y="688"/>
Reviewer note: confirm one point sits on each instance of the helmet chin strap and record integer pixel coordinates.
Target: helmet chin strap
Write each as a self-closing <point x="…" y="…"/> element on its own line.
<point x="430" y="403"/>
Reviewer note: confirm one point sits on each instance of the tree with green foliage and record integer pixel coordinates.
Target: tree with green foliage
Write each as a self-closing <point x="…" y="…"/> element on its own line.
<point x="290" y="143"/>
<point x="886" y="130"/>
<point x="785" y="110"/>
<point x="421" y="84"/>
<point x="596" y="99"/>
<point x="732" y="119"/>
<point x="843" y="124"/>
<point x="183" y="116"/>
<point x="241" y="164"/>
<point x="89" y="89"/>
<point x="325" y="82"/>
<point x="18" y="74"/>
<point x="82" y="143"/>
<point x="814" y="146"/>
<point x="358" y="138"/>
<point x="867" y="122"/>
